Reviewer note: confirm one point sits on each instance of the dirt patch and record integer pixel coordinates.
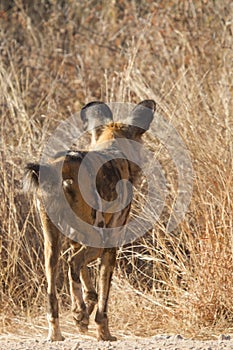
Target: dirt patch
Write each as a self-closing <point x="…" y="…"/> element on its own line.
<point x="157" y="342"/>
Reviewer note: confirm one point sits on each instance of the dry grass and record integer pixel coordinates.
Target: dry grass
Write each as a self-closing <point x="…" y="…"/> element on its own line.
<point x="56" y="56"/>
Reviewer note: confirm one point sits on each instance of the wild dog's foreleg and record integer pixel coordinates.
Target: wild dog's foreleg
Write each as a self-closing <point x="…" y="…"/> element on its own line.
<point x="108" y="261"/>
<point x="76" y="261"/>
<point x="90" y="295"/>
<point x="77" y="264"/>
<point x="51" y="251"/>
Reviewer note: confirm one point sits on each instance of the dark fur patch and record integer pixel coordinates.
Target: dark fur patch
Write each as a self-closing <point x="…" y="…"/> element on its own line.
<point x="52" y="305"/>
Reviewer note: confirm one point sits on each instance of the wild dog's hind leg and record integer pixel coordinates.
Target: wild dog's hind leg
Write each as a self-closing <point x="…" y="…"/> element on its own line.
<point x="108" y="261"/>
<point x="51" y="251"/>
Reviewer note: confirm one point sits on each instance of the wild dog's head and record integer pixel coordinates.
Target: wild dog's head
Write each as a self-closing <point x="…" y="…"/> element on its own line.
<point x="98" y="119"/>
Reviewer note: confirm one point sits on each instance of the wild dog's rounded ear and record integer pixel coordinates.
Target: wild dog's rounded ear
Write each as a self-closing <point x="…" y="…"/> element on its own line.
<point x="142" y="115"/>
<point x="95" y="114"/>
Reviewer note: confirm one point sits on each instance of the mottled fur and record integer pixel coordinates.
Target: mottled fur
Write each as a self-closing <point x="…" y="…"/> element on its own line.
<point x="83" y="294"/>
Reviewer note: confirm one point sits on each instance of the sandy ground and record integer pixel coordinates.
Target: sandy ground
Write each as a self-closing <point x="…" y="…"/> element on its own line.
<point x="133" y="330"/>
<point x="157" y="342"/>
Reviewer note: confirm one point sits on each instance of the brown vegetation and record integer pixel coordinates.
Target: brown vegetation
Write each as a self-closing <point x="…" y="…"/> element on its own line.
<point x="55" y="57"/>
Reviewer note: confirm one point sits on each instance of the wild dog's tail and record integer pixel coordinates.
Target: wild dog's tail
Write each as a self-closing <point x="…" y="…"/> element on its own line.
<point x="31" y="177"/>
<point x="49" y="180"/>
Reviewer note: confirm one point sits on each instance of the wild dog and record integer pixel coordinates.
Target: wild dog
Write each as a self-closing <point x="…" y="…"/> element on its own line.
<point x="97" y="117"/>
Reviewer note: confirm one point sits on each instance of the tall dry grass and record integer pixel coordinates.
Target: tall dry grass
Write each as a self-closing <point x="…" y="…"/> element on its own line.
<point x="56" y="56"/>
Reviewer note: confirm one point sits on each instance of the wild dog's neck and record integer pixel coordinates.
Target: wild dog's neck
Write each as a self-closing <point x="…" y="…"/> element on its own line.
<point x="107" y="134"/>
<point x="102" y="137"/>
